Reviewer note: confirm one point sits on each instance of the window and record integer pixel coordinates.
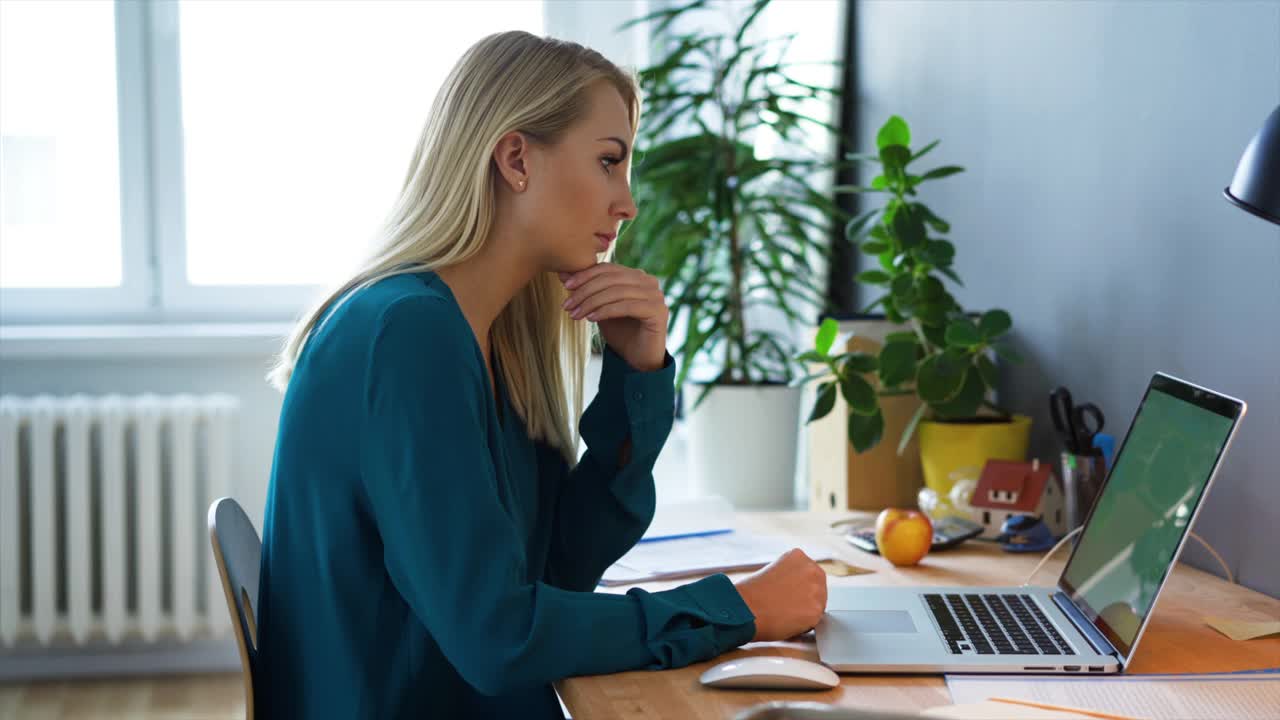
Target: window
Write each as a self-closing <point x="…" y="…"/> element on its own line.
<point x="189" y="160"/>
<point x="222" y="160"/>
<point x="60" y="191"/>
<point x="293" y="158"/>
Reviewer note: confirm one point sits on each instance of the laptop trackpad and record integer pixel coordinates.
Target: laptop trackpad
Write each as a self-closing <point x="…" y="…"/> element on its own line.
<point x="875" y="621"/>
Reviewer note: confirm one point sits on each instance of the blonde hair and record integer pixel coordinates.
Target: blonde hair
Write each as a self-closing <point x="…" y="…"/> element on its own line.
<point x="510" y="81"/>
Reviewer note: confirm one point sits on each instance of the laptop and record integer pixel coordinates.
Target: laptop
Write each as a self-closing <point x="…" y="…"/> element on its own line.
<point x="1092" y="620"/>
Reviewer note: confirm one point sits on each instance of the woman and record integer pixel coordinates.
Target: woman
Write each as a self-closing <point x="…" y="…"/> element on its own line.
<point x="431" y="539"/>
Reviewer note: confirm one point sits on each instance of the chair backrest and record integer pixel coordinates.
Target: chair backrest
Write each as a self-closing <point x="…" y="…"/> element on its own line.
<point x="238" y="550"/>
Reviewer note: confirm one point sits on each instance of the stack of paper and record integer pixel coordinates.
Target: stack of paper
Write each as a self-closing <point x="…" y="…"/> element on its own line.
<point x="701" y="555"/>
<point x="711" y="515"/>
<point x="1229" y="696"/>
<point x="697" y="537"/>
<point x="994" y="710"/>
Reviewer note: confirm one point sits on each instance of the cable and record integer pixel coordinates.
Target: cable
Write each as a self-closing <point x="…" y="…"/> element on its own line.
<point x="1049" y="554"/>
<point x="1230" y="578"/>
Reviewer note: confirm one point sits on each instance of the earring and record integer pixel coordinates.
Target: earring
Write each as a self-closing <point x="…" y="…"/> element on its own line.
<point x="521" y="184"/>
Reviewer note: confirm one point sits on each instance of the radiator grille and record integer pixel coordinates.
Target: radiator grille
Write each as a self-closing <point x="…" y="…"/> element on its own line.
<point x="103" y="501"/>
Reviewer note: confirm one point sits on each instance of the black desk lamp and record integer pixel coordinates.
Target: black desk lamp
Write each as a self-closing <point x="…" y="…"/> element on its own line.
<point x="1256" y="185"/>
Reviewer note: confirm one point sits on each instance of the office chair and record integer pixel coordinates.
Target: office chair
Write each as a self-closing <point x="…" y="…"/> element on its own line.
<point x="238" y="550"/>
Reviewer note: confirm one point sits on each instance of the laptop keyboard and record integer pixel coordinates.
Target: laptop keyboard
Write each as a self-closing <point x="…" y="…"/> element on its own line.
<point x="989" y="624"/>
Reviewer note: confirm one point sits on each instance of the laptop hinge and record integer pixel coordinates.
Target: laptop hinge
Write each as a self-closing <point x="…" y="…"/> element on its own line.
<point x="1100" y="643"/>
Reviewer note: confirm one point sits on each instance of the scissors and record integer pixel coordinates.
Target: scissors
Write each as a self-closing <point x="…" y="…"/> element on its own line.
<point x="1077" y="424"/>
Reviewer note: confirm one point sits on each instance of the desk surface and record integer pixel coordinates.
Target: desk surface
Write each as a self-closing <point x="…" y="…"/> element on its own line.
<point x="1176" y="640"/>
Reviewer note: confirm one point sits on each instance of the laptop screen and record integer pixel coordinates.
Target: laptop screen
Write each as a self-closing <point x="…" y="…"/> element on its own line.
<point x="1146" y="506"/>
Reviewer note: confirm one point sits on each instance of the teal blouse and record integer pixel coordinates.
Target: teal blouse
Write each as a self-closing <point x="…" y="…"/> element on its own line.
<point x="423" y="557"/>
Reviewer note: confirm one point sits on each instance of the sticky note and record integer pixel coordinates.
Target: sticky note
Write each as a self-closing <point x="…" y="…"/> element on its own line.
<point x="1243" y="630"/>
<point x="838" y="568"/>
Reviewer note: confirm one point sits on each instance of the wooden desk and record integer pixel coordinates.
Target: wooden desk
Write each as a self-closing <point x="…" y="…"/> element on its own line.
<point x="1176" y="640"/>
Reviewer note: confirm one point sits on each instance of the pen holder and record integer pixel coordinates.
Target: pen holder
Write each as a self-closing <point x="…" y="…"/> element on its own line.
<point x="1082" y="478"/>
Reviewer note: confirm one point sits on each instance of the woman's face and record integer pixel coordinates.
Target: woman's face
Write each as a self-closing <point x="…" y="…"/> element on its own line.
<point x="578" y="191"/>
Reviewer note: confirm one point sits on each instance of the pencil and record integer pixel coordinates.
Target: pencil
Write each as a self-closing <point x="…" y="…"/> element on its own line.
<point x="1042" y="706"/>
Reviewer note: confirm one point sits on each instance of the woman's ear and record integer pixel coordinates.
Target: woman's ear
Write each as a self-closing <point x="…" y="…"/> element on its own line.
<point x="512" y="158"/>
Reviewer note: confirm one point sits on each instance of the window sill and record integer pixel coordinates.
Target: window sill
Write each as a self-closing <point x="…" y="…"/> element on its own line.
<point x="138" y="340"/>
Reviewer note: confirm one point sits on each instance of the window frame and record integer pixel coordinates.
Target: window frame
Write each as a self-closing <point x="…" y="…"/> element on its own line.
<point x="134" y="297"/>
<point x="177" y="298"/>
<point x="154" y="287"/>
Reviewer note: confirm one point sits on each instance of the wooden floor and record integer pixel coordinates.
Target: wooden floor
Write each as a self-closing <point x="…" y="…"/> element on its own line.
<point x="178" y="697"/>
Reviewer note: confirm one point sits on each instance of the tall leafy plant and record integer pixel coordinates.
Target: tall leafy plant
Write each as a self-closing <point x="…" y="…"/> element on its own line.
<point x="725" y="228"/>
<point x="944" y="357"/>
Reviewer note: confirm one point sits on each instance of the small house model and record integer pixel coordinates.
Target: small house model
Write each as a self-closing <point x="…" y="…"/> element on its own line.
<point x="1008" y="487"/>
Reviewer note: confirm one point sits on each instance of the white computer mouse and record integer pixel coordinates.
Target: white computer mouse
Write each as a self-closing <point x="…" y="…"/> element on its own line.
<point x="771" y="673"/>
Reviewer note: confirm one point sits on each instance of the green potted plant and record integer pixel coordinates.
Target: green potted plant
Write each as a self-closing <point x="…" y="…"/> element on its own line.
<point x="727" y="230"/>
<point x="942" y="355"/>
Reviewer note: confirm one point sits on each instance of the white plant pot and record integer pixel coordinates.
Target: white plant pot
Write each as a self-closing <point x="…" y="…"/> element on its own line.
<point x="742" y="444"/>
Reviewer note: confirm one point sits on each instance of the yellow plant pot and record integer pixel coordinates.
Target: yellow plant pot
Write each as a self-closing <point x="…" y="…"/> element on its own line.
<point x="952" y="451"/>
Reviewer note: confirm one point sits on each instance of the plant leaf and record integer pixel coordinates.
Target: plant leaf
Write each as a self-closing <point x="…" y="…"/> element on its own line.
<point x="859" y="394"/>
<point x="811" y="356"/>
<point x="806" y="379"/>
<point x="909" y="227"/>
<point x="940" y="253"/>
<point x="910" y="429"/>
<point x="872" y="277"/>
<point x="995" y="323"/>
<point x="933" y="220"/>
<point x="935" y="333"/>
<point x="855" y="225"/>
<point x="895" y="159"/>
<point x="755" y="11"/>
<point x="941" y="172"/>
<point x="860" y="362"/>
<point x="865" y="431"/>
<point x="965" y="403"/>
<point x="988" y="371"/>
<point x="898" y="362"/>
<point x="939" y="379"/>
<point x="874" y="247"/>
<point x="930" y="288"/>
<point x="667" y="16"/>
<point x="951" y="274"/>
<point x="894" y="132"/>
<point x="925" y="150"/>
<point x="826" y="335"/>
<point x="963" y="332"/>
<point x="826" y="400"/>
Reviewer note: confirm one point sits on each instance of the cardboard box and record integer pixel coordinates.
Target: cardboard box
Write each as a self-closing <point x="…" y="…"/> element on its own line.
<point x="840" y="478"/>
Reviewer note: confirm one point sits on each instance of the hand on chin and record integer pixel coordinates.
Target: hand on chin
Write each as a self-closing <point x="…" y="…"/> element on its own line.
<point x="628" y="305"/>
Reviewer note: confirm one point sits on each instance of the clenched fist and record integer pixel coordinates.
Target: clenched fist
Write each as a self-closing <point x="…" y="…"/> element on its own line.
<point x="788" y="596"/>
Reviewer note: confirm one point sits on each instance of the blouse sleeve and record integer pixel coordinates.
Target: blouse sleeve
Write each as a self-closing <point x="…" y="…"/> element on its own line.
<point x="453" y="553"/>
<point x="604" y="507"/>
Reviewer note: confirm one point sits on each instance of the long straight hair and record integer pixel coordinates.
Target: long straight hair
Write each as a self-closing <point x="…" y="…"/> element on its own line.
<point x="510" y="81"/>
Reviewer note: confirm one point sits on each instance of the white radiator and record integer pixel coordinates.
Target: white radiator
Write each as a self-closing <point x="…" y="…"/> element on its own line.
<point x="103" y="500"/>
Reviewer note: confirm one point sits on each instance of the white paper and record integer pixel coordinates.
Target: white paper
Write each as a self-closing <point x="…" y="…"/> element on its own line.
<point x="999" y="711"/>
<point x="702" y="555"/>
<point x="1230" y="696"/>
<point x="701" y="515"/>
